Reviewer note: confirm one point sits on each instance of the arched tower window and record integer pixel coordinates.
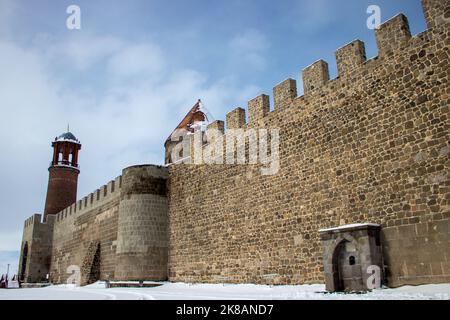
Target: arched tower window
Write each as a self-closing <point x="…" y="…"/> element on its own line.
<point x="66" y="148"/>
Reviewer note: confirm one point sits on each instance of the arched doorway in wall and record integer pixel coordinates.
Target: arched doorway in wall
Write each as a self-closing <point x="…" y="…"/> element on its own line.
<point x="347" y="274"/>
<point x="351" y="254"/>
<point x="23" y="266"/>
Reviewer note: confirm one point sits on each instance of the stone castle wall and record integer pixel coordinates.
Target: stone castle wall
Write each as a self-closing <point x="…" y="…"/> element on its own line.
<point x="36" y="249"/>
<point x="117" y="232"/>
<point x="371" y="145"/>
<point x="90" y="220"/>
<point x="142" y="241"/>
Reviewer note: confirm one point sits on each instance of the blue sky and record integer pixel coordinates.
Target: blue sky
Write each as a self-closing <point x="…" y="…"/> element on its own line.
<point x="136" y="67"/>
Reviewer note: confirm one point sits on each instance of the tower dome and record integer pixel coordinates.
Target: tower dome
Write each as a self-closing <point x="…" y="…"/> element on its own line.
<point x="67" y="136"/>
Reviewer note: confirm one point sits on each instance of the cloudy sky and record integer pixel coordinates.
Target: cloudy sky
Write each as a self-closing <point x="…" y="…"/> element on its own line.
<point x="125" y="79"/>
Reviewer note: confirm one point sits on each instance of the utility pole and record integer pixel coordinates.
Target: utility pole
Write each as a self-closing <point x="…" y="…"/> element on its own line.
<point x="7" y="271"/>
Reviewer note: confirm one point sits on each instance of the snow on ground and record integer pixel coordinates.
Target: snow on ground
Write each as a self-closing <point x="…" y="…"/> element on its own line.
<point x="182" y="291"/>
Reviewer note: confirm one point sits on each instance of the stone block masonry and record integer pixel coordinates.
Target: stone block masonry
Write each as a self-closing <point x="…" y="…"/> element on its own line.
<point x="91" y="219"/>
<point x="35" y="253"/>
<point x="117" y="232"/>
<point x="371" y="146"/>
<point x="142" y="238"/>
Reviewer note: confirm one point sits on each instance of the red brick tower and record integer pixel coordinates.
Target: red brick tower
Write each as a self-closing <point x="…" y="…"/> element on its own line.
<point x="63" y="174"/>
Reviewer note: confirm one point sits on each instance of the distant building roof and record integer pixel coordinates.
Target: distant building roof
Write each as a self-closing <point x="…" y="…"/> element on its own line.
<point x="186" y="125"/>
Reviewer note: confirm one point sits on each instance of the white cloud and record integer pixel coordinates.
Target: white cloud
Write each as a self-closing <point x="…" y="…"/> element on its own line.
<point x="10" y="240"/>
<point x="139" y="59"/>
<point x="250" y="41"/>
<point x="249" y="48"/>
<point x="7" y="9"/>
<point x="11" y="258"/>
<point x="310" y="16"/>
<point x="83" y="51"/>
<point x="124" y="125"/>
<point x="24" y="86"/>
<point x="78" y="50"/>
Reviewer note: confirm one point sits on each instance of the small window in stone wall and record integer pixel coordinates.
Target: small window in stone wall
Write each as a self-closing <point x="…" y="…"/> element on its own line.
<point x="351" y="260"/>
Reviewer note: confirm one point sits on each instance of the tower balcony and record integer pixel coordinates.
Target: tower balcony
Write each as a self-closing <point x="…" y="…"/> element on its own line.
<point x="64" y="163"/>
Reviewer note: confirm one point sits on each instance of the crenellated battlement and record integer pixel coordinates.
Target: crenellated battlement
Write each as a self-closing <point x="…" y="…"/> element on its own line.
<point x="97" y="198"/>
<point x="36" y="247"/>
<point x="370" y="145"/>
<point x="236" y="118"/>
<point x="437" y="13"/>
<point x="392" y="37"/>
<point x="35" y="218"/>
<point x="258" y="108"/>
<point x="350" y="57"/>
<point x="107" y="193"/>
<point x="217" y="125"/>
<point x="284" y="93"/>
<point x="315" y="76"/>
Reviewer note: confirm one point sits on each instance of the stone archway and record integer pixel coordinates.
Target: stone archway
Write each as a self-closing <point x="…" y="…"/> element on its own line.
<point x="23" y="265"/>
<point x="337" y="278"/>
<point x="349" y="252"/>
<point x="347" y="273"/>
